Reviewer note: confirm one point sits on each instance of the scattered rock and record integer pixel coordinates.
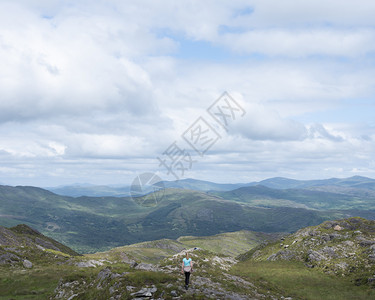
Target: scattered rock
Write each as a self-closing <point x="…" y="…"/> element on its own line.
<point x="145" y="292"/>
<point x="329" y="252"/>
<point x="104" y="274"/>
<point x="337" y="228"/>
<point x="27" y="264"/>
<point x="282" y="255"/>
<point x="174" y="293"/>
<point x="315" y="256"/>
<point x="9" y="258"/>
<point x="326" y="237"/>
<point x="348" y="243"/>
<point x="127" y="260"/>
<point x="342" y="266"/>
<point x="365" y="242"/>
<point x="89" y="264"/>
<point x="224" y="262"/>
<point x="65" y="290"/>
<point x="40" y="247"/>
<point x="147" y="267"/>
<point x="111" y="290"/>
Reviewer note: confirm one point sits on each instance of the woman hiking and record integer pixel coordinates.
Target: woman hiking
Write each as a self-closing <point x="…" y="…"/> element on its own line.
<point x="187" y="268"/>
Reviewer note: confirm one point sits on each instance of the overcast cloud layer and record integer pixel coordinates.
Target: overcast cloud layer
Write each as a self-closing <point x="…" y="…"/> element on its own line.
<point x="95" y="91"/>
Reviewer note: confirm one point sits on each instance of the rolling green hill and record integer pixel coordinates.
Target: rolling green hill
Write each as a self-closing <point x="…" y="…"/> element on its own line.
<point x="77" y="190"/>
<point x="359" y="183"/>
<point x="90" y="224"/>
<point x="90" y="191"/>
<point x="229" y="243"/>
<point x="263" y="196"/>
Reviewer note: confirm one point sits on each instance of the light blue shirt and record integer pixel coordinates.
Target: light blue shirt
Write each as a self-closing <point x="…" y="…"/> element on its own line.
<point x="186" y="262"/>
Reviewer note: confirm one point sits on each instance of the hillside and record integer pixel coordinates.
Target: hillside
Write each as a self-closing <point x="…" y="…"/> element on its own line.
<point x="342" y="249"/>
<point x="33" y="267"/>
<point x="262" y="273"/>
<point x="22" y="236"/>
<point x="228" y="244"/>
<point x="322" y="198"/>
<point x="78" y="190"/>
<point x="91" y="224"/>
<point x="358" y="182"/>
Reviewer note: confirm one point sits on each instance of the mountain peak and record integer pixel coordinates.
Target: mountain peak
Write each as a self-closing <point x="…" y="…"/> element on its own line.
<point x="24" y="229"/>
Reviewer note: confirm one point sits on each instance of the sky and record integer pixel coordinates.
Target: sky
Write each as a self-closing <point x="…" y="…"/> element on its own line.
<point x="102" y="91"/>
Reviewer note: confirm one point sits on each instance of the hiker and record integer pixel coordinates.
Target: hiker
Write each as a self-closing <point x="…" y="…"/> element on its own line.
<point x="187" y="268"/>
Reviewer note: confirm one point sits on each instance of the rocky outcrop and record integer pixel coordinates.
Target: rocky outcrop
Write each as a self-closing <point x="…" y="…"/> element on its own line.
<point x="282" y="254"/>
<point x="8" y="258"/>
<point x="89" y="263"/>
<point x="342" y="247"/>
<point x="22" y="236"/>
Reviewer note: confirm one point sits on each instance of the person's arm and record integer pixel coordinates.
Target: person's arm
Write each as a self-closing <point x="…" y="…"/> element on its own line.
<point x="191" y="265"/>
<point x="182" y="267"/>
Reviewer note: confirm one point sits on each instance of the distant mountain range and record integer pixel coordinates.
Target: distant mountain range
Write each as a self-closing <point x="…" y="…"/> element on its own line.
<point x="88" y="224"/>
<point x="78" y="190"/>
<point x="339" y="185"/>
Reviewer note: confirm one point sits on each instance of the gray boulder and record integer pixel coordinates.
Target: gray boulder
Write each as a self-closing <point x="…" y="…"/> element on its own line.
<point x="27" y="264"/>
<point x="330" y="252"/>
<point x="282" y="255"/>
<point x="315" y="256"/>
<point x="145" y="292"/>
<point x="146" y="267"/>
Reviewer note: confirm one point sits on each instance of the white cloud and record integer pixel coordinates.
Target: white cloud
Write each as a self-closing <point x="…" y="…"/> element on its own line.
<point x="263" y="124"/>
<point x="89" y="89"/>
<point x="302" y="42"/>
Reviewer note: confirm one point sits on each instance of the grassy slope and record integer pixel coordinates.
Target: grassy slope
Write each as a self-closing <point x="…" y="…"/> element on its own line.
<point x="326" y="280"/>
<point x="40" y="281"/>
<point x="293" y="279"/>
<point x="229" y="243"/>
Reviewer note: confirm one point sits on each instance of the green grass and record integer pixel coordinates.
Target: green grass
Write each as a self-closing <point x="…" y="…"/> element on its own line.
<point x="229" y="243"/>
<point x="41" y="281"/>
<point x="293" y="279"/>
<point x="35" y="283"/>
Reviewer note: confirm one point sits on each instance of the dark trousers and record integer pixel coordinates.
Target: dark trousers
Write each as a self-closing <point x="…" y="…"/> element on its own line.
<point x="187" y="277"/>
